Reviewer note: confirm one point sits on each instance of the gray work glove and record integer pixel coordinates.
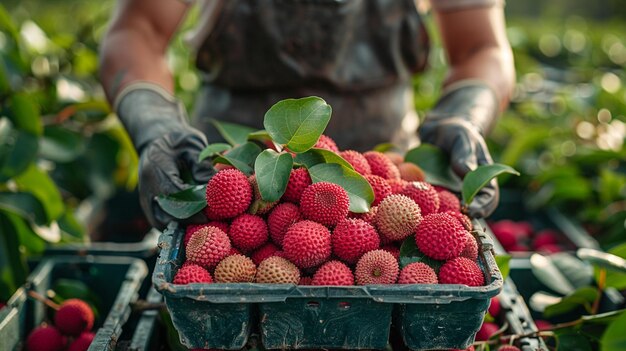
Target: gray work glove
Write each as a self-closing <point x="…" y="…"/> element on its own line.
<point x="458" y="125"/>
<point x="168" y="147"/>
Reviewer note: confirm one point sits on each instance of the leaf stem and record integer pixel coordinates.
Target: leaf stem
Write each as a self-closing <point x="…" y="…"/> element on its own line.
<point x="46" y="301"/>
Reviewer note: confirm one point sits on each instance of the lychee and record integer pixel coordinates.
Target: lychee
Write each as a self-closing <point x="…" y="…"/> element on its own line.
<point x="494" y="307"/>
<point x="470" y="250"/>
<point x="396" y="185"/>
<point x="305" y="281"/>
<point x="222" y="166"/>
<point x="333" y="273"/>
<point x="544" y="237"/>
<point x="192" y="273"/>
<point x="395" y="157"/>
<point x="325" y="203"/>
<point x="192" y="228"/>
<point x="325" y="142"/>
<point x="258" y="206"/>
<point x="417" y="273"/>
<point x="45" y="338"/>
<point x="440" y="236"/>
<point x="82" y="342"/>
<point x="74" y="317"/>
<point x="448" y="201"/>
<point x="398" y="216"/>
<point x="543" y="324"/>
<point x="381" y="165"/>
<point x="508" y="348"/>
<point x="506" y="231"/>
<point x="228" y="194"/>
<point x="369" y="216"/>
<point x="351" y="238"/>
<point x="461" y="270"/>
<point x="299" y="179"/>
<point x="357" y="160"/>
<point x="277" y="270"/>
<point x="263" y="252"/>
<point x="379" y="186"/>
<point x="280" y="219"/>
<point x="463" y="219"/>
<point x="394" y="250"/>
<point x="411" y="172"/>
<point x="235" y="269"/>
<point x="248" y="232"/>
<point x="208" y="246"/>
<point x="307" y="244"/>
<point x="376" y="267"/>
<point x="424" y="195"/>
<point x="486" y="331"/>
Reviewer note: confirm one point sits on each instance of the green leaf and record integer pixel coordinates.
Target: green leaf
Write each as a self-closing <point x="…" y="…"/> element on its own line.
<point x="234" y="134"/>
<point x="384" y="147"/>
<point x="61" y="145"/>
<point x="26" y="205"/>
<point x="241" y="157"/>
<point x="72" y="230"/>
<point x="38" y="183"/>
<point x="272" y="171"/>
<point x="410" y="253"/>
<point x="32" y="243"/>
<point x="17" y="152"/>
<point x="184" y="204"/>
<point x="25" y="114"/>
<point x="435" y="164"/>
<point x="503" y="264"/>
<point x="614" y="338"/>
<point x="572" y="341"/>
<point x="212" y="150"/>
<point x="297" y="123"/>
<point x="614" y="278"/>
<point x="581" y="297"/>
<point x="358" y="189"/>
<point x="481" y="176"/>
<point x="316" y="156"/>
<point x="13" y="267"/>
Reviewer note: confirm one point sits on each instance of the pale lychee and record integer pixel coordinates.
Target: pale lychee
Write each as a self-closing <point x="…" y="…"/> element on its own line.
<point x="235" y="269"/>
<point x="277" y="270"/>
<point x="398" y="216"/>
<point x="411" y="172"/>
<point x="376" y="267"/>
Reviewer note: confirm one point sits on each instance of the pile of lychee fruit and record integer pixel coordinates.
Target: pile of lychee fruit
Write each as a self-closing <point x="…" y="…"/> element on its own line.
<point x="521" y="236"/>
<point x="71" y="330"/>
<point x="310" y="236"/>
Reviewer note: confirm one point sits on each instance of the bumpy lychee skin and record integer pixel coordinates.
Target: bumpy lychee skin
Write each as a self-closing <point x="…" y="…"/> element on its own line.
<point x="208" y="246"/>
<point x="486" y="331"/>
<point x="508" y="348"/>
<point x="461" y="270"/>
<point x="46" y="338"/>
<point x="248" y="232"/>
<point x="82" y="342"/>
<point x="424" y="195"/>
<point x="381" y="165"/>
<point x="235" y="269"/>
<point x="281" y="218"/>
<point x="357" y="160"/>
<point x="263" y="252"/>
<point x="369" y="216"/>
<point x="463" y="219"/>
<point x="325" y="142"/>
<point x="417" y="273"/>
<point x="411" y="172"/>
<point x="192" y="273"/>
<point x="470" y="250"/>
<point x="74" y="317"/>
<point x="376" y="267"/>
<point x="333" y="273"/>
<point x="396" y="185"/>
<point x="258" y="206"/>
<point x="228" y="194"/>
<point x="325" y="203"/>
<point x="398" y="216"/>
<point x="299" y="179"/>
<point x="448" y="201"/>
<point x="440" y="236"/>
<point x="277" y="270"/>
<point x="494" y="307"/>
<point x="380" y="187"/>
<point x="307" y="244"/>
<point x="352" y="238"/>
<point x="192" y="228"/>
<point x="394" y="250"/>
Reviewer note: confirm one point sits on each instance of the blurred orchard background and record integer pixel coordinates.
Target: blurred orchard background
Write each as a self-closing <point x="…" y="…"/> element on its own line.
<point x="68" y="171"/>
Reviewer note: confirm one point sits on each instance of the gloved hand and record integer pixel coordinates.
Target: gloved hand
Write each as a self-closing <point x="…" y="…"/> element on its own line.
<point x="168" y="147"/>
<point x="458" y="125"/>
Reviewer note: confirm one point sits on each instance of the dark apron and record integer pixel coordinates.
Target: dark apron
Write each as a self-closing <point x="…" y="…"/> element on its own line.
<point x="358" y="55"/>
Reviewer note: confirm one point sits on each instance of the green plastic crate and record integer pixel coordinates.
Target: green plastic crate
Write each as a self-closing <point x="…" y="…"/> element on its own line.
<point x="116" y="280"/>
<point x="298" y="317"/>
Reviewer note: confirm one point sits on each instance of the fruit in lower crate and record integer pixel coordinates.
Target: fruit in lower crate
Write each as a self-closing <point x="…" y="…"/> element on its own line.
<point x="448" y="201"/>
<point x="325" y="203"/>
<point x="74" y="317"/>
<point x="376" y="267"/>
<point x="192" y="273"/>
<point x="263" y="252"/>
<point x="411" y="172"/>
<point x="208" y="246"/>
<point x="325" y="142"/>
<point x="545" y="237"/>
<point x="307" y="244"/>
<point x="424" y="195"/>
<point x="398" y="216"/>
<point x="543" y="324"/>
<point x="470" y="250"/>
<point x="549" y="248"/>
<point x="494" y="307"/>
<point x="333" y="273"/>
<point x="461" y="270"/>
<point x="351" y="238"/>
<point x="440" y="236"/>
<point x="228" y="194"/>
<point x="235" y="269"/>
<point x="506" y="232"/>
<point x="417" y="273"/>
<point x="380" y="187"/>
<point x="357" y="160"/>
<point x="82" y="342"/>
<point x="486" y="331"/>
<point x="46" y="338"/>
<point x="248" y="232"/>
<point x="280" y="219"/>
<point x="508" y="348"/>
<point x="277" y="270"/>
<point x="299" y="179"/>
<point x="381" y="165"/>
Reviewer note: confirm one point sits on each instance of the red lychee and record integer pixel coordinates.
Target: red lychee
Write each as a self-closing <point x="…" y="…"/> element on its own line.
<point x="192" y="273"/>
<point x="280" y="219"/>
<point x="470" y="250"/>
<point x="325" y="203"/>
<point x="381" y="165"/>
<point x="208" y="246"/>
<point x="486" y="331"/>
<point x="307" y="244"/>
<point x="228" y="194"/>
<point x="461" y="270"/>
<point x="394" y="250"/>
<point x="463" y="219"/>
<point x="333" y="273"/>
<point x="424" y="195"/>
<point x="82" y="342"/>
<point x="248" y="232"/>
<point x="369" y="216"/>
<point x="396" y="185"/>
<point x="325" y="142"/>
<point x="543" y="324"/>
<point x="352" y="238"/>
<point x="299" y="179"/>
<point x="398" y="216"/>
<point x="305" y="281"/>
<point x="494" y="307"/>
<point x="45" y="338"/>
<point x="74" y="317"/>
<point x="263" y="252"/>
<point x="380" y="187"/>
<point x="508" y="348"/>
<point x="376" y="267"/>
<point x="440" y="236"/>
<point x="411" y="172"/>
<point x="448" y="201"/>
<point x="357" y="160"/>
<point x="545" y="237"/>
<point x="417" y="273"/>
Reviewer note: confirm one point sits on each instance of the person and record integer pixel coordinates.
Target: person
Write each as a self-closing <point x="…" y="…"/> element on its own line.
<point x="358" y="55"/>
